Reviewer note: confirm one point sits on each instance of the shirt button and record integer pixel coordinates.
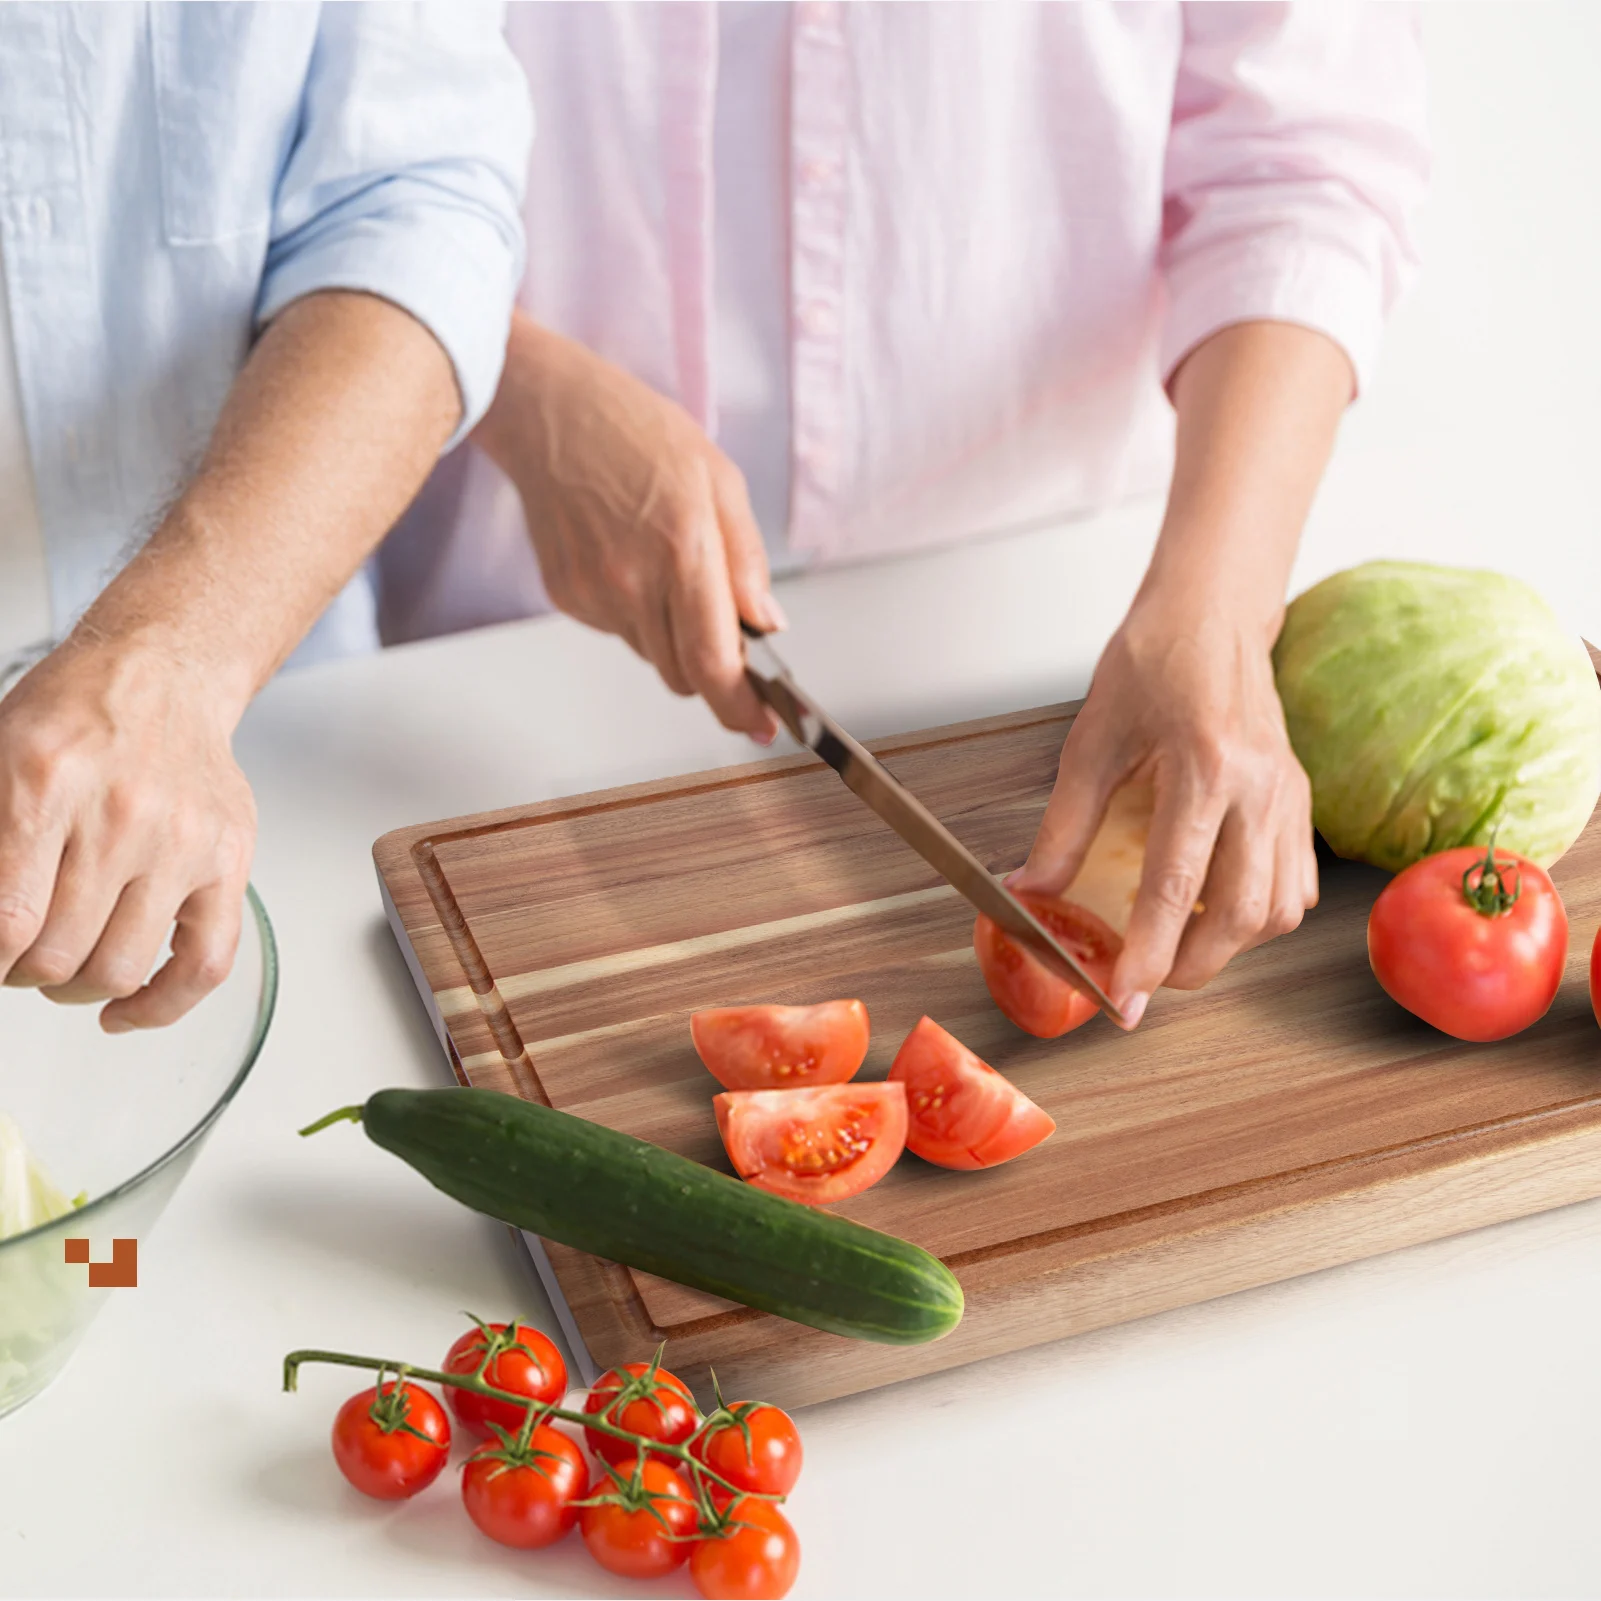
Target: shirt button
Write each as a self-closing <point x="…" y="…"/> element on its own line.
<point x="816" y="318"/>
<point x="28" y="216"/>
<point x="818" y="170"/>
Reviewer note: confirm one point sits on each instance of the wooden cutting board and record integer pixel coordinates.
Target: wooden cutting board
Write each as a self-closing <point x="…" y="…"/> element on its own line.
<point x="1287" y="1118"/>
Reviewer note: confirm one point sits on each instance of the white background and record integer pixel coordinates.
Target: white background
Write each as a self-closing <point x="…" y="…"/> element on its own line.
<point x="1479" y="440"/>
<point x="1424" y="1424"/>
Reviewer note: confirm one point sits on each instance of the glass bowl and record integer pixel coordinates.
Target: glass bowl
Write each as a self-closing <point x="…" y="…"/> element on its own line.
<point x="117" y="1118"/>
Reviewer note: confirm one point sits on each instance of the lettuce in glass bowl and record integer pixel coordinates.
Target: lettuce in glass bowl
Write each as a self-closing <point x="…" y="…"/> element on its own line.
<point x="117" y="1119"/>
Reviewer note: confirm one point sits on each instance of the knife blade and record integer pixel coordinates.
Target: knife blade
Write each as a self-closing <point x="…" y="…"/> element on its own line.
<point x="867" y="778"/>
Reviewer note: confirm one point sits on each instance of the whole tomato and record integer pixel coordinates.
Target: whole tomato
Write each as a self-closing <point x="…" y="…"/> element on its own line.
<point x="512" y="1357"/>
<point x="645" y="1399"/>
<point x="755" y="1446"/>
<point x="523" y="1495"/>
<point x="1473" y="941"/>
<point x="394" y="1444"/>
<point x="755" y="1555"/>
<point x="640" y="1520"/>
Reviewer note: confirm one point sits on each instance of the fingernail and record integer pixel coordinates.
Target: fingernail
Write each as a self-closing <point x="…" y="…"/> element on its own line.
<point x="1027" y="882"/>
<point x="764" y="736"/>
<point x="1133" y="1009"/>
<point x="116" y="1025"/>
<point x="773" y="615"/>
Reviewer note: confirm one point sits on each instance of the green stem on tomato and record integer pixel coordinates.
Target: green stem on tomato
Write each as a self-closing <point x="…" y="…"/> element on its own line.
<point x="546" y="1410"/>
<point x="1490" y="897"/>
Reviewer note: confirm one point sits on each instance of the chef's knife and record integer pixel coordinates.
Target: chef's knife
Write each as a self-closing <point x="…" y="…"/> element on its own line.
<point x="884" y="794"/>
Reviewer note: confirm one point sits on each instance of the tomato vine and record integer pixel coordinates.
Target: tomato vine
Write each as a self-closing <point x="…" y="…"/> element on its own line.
<point x="713" y="1521"/>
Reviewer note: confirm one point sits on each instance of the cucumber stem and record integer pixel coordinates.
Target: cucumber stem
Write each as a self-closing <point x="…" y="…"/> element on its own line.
<point x="345" y="1114"/>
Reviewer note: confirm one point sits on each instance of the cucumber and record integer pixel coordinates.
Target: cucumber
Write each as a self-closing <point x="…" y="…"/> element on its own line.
<point x="623" y="1199"/>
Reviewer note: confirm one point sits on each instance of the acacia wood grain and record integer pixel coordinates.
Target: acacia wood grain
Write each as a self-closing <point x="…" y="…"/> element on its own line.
<point x="1288" y="1117"/>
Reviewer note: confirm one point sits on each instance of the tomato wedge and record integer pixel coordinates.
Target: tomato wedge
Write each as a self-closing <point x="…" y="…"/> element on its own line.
<point x="961" y="1112"/>
<point x="1024" y="988"/>
<point x="781" y="1047"/>
<point x="819" y="1145"/>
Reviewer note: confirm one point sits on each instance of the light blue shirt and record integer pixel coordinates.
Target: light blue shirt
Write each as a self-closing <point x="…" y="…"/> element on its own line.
<point x="173" y="175"/>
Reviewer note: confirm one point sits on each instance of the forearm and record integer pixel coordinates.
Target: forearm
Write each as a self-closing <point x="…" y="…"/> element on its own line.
<point x="568" y="426"/>
<point x="641" y="525"/>
<point x="538" y="361"/>
<point x="1258" y="408"/>
<point x="331" y="427"/>
<point x="1183" y="704"/>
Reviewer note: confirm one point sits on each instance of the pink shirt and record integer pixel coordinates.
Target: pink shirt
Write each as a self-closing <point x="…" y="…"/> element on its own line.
<point x="1004" y="225"/>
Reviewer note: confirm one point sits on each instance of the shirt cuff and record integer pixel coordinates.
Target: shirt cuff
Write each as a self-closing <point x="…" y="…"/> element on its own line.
<point x="456" y="279"/>
<point x="1315" y="286"/>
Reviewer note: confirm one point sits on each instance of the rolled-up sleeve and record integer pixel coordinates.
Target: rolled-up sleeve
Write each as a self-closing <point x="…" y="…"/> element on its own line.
<point x="405" y="178"/>
<point x="1297" y="164"/>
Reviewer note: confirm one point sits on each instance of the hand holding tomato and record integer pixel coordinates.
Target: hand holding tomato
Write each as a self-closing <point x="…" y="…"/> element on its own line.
<point x="1473" y="941"/>
<point x="1183" y="697"/>
<point x="1183" y="701"/>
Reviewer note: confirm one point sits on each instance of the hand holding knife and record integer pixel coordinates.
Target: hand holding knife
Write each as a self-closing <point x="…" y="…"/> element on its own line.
<point x="873" y="784"/>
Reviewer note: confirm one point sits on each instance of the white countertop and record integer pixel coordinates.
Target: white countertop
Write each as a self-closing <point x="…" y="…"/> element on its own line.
<point x="1427" y="1423"/>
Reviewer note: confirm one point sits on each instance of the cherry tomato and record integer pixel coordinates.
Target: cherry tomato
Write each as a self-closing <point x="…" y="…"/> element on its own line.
<point x="394" y="1446"/>
<point x="524" y="1496"/>
<point x="781" y="1047"/>
<point x="1476" y="950"/>
<point x="643" y="1533"/>
<point x="1027" y="991"/>
<point x="758" y="1556"/>
<point x="816" y="1146"/>
<point x="525" y="1362"/>
<point x="961" y="1112"/>
<point x="758" y="1448"/>
<point x="644" y="1399"/>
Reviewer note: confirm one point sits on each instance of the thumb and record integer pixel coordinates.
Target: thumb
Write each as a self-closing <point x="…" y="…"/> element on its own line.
<point x="746" y="552"/>
<point x="1085" y="782"/>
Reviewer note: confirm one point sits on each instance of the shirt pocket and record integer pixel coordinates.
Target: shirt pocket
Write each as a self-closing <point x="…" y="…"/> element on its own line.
<point x="228" y="81"/>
